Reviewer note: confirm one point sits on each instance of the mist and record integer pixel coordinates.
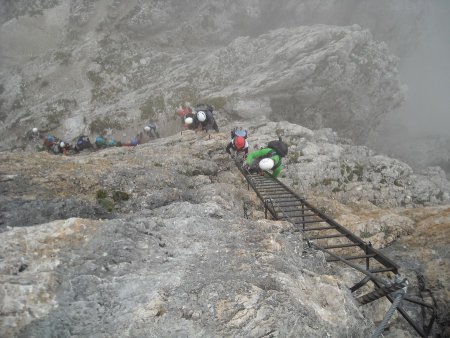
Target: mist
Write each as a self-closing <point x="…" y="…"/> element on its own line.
<point x="418" y="132"/>
<point x="426" y="71"/>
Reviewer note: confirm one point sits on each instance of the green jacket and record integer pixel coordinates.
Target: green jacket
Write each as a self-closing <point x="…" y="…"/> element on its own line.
<point x="262" y="153"/>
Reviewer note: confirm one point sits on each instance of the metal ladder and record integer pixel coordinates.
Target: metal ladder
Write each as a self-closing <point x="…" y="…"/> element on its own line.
<point x="338" y="243"/>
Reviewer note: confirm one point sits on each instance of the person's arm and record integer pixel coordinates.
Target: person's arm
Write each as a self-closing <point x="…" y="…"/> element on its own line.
<point x="257" y="153"/>
<point x="228" y="148"/>
<point x="277" y="171"/>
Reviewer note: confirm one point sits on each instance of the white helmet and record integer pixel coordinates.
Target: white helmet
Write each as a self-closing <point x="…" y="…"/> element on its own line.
<point x="35" y="130"/>
<point x="147" y="128"/>
<point x="62" y="144"/>
<point x="266" y="164"/>
<point x="201" y="116"/>
<point x="189" y="120"/>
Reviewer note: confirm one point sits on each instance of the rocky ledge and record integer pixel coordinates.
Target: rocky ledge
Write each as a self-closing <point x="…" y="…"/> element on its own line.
<point x="164" y="239"/>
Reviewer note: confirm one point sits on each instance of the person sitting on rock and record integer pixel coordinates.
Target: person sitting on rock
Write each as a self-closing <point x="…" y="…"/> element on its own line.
<point x="267" y="159"/>
<point x="134" y="141"/>
<point x="63" y="147"/>
<point x="150" y="130"/>
<point x="49" y="141"/>
<point x="83" y="142"/>
<point x="238" y="143"/>
<point x="111" y="142"/>
<point x="100" y="142"/>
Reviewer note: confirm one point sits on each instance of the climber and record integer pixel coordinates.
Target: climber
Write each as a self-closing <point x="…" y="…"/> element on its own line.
<point x="49" y="141"/>
<point x="134" y="141"/>
<point x="83" y="142"/>
<point x="150" y="130"/>
<point x="100" y="142"/>
<point x="183" y="113"/>
<point x="111" y="142"/>
<point x="268" y="158"/>
<point x="205" y="117"/>
<point x="207" y="121"/>
<point x="35" y="134"/>
<point x="238" y="143"/>
<point x="191" y="122"/>
<point x="63" y="147"/>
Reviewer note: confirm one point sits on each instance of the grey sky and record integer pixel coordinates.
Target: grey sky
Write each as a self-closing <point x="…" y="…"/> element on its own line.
<point x="426" y="71"/>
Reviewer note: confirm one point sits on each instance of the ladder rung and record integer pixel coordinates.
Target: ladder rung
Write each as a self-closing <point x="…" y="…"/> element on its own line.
<point x="286" y="199"/>
<point x="273" y="192"/>
<point x="280" y="194"/>
<point x="282" y="205"/>
<point x="327" y="236"/>
<point x="319" y="228"/>
<point x="351" y="257"/>
<point x="345" y="245"/>
<point x="378" y="270"/>
<point x="297" y="211"/>
<point x="309" y="221"/>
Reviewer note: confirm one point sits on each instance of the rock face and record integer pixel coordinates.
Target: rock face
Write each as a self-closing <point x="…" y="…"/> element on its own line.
<point x="171" y="242"/>
<point x="94" y="64"/>
<point x="178" y="259"/>
<point x="322" y="163"/>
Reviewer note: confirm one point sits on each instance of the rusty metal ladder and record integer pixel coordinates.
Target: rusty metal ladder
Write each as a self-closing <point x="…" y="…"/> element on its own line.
<point x="338" y="243"/>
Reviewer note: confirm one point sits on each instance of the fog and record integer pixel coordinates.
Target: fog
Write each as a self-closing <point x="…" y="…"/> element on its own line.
<point x="426" y="71"/>
<point x="418" y="132"/>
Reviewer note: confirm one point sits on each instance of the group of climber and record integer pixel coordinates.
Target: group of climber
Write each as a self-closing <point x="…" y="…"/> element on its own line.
<point x="200" y="119"/>
<point x="58" y="146"/>
<point x="261" y="161"/>
<point x="265" y="161"/>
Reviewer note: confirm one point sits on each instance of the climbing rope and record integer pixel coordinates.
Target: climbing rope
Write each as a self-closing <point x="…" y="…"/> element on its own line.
<point x="399" y="295"/>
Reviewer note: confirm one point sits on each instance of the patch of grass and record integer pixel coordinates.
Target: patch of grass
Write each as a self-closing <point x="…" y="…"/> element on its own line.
<point x="103" y="199"/>
<point x="279" y="132"/>
<point x="323" y="210"/>
<point x="105" y="95"/>
<point x="358" y="170"/>
<point x="327" y="181"/>
<point x="107" y="204"/>
<point x="187" y="94"/>
<point x="380" y="169"/>
<point x="101" y="193"/>
<point x="95" y="78"/>
<point x="100" y="124"/>
<point x="217" y="102"/>
<point x="349" y="173"/>
<point x="120" y="196"/>
<point x="53" y="119"/>
<point x="365" y="234"/>
<point x="152" y="107"/>
<point x="294" y="156"/>
<point x="387" y="231"/>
